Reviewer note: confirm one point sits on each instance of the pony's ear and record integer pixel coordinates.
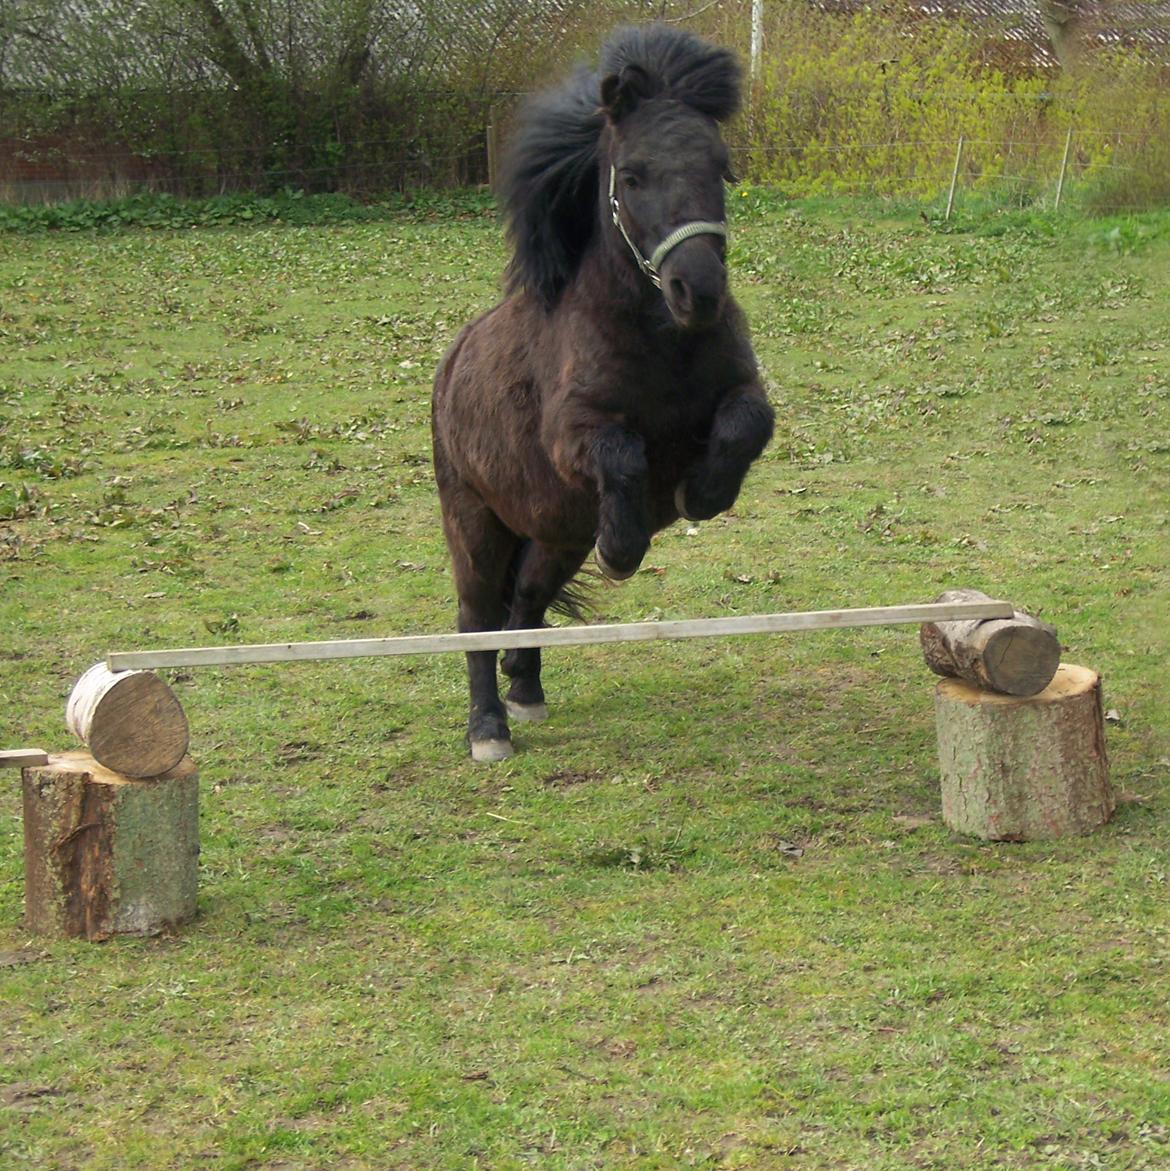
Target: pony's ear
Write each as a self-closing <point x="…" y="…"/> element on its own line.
<point x="621" y="92"/>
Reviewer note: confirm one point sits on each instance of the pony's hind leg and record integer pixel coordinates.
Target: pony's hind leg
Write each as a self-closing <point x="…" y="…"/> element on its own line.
<point x="482" y="553"/>
<point x="541" y="576"/>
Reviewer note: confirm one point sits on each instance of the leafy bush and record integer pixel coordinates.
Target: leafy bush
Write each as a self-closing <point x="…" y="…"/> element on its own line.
<point x="290" y="207"/>
<point x="1115" y="106"/>
<point x="875" y="103"/>
<point x="871" y="102"/>
<point x="866" y="103"/>
<point x="330" y="95"/>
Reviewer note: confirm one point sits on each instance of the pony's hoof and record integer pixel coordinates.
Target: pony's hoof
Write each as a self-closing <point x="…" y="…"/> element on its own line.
<point x="680" y="502"/>
<point x="609" y="571"/>
<point x="526" y="713"/>
<point x="490" y="750"/>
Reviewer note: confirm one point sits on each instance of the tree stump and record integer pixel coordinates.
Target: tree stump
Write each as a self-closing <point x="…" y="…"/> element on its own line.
<point x="130" y="721"/>
<point x="1017" y="655"/>
<point x="106" y="854"/>
<point x="1024" y="768"/>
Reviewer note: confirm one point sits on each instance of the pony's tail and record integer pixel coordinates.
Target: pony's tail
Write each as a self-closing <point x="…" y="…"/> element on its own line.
<point x="574" y="600"/>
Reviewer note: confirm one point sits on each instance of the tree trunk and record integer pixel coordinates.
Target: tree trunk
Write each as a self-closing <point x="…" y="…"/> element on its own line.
<point x="106" y="854"/>
<point x="1023" y="769"/>
<point x="1063" y="21"/>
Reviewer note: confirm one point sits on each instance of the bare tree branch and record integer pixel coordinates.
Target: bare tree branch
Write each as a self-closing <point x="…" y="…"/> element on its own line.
<point x="223" y="44"/>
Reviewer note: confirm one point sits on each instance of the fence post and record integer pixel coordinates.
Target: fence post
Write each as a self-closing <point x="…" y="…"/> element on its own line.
<point x="757" y="38"/>
<point x="954" y="178"/>
<point x="1063" y="170"/>
<point x="492" y="155"/>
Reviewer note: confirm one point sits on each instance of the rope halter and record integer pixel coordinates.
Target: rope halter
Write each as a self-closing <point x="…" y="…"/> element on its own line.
<point x="685" y="232"/>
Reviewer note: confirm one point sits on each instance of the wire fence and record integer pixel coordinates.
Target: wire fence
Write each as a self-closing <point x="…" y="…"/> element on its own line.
<point x="889" y="104"/>
<point x="1072" y="170"/>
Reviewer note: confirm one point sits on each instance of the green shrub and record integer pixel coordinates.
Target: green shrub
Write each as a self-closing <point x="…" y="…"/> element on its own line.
<point x="876" y="102"/>
<point x="871" y="103"/>
<point x="1116" y="107"/>
<point x="867" y="103"/>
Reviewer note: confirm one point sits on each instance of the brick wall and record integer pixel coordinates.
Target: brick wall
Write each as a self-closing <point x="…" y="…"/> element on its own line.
<point x="58" y="167"/>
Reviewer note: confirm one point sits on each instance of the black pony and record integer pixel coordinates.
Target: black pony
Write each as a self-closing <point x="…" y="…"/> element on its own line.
<point x="614" y="389"/>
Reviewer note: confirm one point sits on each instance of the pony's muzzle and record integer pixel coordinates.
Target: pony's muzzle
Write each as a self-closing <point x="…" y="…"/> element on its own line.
<point x="694" y="284"/>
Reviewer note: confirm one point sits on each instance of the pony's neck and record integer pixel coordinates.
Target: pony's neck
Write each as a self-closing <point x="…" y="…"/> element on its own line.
<point x="609" y="266"/>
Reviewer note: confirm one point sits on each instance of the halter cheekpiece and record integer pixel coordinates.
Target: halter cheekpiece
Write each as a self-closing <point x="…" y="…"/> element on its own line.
<point x="685" y="232"/>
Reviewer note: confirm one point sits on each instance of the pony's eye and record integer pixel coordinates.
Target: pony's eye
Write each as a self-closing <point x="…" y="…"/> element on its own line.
<point x="630" y="182"/>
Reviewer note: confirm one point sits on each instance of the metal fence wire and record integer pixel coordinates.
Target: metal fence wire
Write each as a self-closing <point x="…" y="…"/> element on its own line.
<point x="103" y="98"/>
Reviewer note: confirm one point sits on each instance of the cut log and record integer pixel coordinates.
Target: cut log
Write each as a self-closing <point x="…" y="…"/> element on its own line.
<point x="1015" y="656"/>
<point x="106" y="854"/>
<point x="1024" y="768"/>
<point x="130" y="721"/>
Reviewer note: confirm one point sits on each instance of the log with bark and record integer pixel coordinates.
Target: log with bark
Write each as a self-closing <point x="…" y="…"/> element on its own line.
<point x="1015" y="656"/>
<point x="107" y="854"/>
<point x="130" y="721"/>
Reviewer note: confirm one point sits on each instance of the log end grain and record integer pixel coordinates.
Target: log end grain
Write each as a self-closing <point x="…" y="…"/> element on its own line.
<point x="1068" y="682"/>
<point x="1020" y="659"/>
<point x="131" y="721"/>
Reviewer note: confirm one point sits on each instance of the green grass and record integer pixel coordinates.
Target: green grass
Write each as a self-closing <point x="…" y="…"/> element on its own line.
<point x="708" y="916"/>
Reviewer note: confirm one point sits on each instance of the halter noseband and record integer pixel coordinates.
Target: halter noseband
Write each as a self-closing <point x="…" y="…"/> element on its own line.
<point x="650" y="267"/>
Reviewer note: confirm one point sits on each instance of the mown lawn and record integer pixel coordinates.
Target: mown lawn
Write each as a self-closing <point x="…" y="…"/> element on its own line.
<point x="708" y="916"/>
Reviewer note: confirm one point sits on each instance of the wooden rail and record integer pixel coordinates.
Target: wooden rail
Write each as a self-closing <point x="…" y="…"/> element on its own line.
<point x="497" y="640"/>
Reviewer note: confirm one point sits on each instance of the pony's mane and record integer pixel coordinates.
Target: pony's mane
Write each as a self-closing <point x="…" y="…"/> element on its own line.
<point x="549" y="185"/>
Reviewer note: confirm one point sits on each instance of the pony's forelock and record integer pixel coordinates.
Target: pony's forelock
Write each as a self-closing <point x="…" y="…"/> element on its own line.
<point x="681" y="67"/>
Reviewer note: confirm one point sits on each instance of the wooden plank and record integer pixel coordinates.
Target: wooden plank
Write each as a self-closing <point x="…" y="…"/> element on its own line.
<point x="495" y="640"/>
<point x="23" y="758"/>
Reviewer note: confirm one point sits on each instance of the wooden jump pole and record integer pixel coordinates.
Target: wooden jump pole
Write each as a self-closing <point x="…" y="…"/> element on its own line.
<point x="497" y="640"/>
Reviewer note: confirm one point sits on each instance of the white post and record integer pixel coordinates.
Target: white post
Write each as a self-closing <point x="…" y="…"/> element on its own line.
<point x="757" y="37"/>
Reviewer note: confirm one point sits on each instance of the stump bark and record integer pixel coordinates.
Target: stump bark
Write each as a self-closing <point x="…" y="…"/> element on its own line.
<point x="107" y="854"/>
<point x="1024" y="768"/>
<point x="1016" y="656"/>
<point x="130" y="721"/>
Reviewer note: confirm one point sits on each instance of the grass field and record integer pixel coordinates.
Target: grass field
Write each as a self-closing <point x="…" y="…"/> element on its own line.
<point x="708" y="916"/>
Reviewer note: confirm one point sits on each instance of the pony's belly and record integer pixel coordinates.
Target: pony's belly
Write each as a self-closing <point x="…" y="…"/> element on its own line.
<point x="555" y="518"/>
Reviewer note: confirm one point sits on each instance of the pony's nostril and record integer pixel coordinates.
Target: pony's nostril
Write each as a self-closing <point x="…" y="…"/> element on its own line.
<point x="680" y="294"/>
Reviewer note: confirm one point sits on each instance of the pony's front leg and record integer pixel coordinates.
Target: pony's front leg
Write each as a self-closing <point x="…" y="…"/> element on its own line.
<point x="487" y="726"/>
<point x="623" y="525"/>
<point x="741" y="430"/>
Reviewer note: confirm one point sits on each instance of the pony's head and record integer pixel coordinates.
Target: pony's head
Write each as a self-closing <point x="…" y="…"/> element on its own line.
<point x="666" y="164"/>
<point x="643" y="131"/>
